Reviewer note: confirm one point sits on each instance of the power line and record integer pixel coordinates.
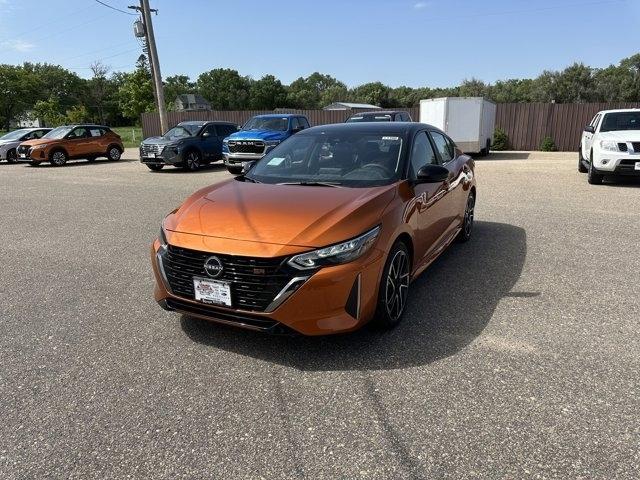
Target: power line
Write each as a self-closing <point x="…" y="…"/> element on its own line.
<point x="114" y="8"/>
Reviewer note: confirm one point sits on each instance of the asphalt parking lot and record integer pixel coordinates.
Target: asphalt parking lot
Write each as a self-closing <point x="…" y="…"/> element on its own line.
<point x="519" y="356"/>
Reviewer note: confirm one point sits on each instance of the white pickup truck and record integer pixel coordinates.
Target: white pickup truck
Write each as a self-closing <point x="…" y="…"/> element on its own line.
<point x="610" y="145"/>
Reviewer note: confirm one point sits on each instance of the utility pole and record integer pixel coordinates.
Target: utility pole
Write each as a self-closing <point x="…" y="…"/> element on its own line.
<point x="154" y="63"/>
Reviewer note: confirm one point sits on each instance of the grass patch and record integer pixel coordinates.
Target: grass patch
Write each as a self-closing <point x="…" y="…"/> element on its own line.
<point x="131" y="136"/>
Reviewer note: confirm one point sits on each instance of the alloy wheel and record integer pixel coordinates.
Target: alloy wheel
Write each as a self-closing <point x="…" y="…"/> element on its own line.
<point x="397" y="285"/>
<point x="114" y="154"/>
<point x="468" y="215"/>
<point x="193" y="161"/>
<point x="58" y="158"/>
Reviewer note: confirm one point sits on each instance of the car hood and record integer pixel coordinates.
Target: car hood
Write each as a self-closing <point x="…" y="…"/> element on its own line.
<point x="159" y="141"/>
<point x="8" y="142"/>
<point x="621" y="136"/>
<point x="281" y="214"/>
<point x="266" y="135"/>
<point x="38" y="141"/>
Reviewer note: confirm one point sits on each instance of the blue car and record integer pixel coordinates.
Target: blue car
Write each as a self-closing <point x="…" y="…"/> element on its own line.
<point x="258" y="136"/>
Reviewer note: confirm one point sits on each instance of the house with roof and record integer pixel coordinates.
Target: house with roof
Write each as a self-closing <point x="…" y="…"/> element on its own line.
<point x="191" y="101"/>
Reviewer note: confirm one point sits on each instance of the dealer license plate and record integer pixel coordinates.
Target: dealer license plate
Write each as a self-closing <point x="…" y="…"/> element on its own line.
<point x="637" y="166"/>
<point x="23" y="155"/>
<point x="212" y="291"/>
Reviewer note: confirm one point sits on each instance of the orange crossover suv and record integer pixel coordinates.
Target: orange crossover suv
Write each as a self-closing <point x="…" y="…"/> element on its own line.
<point x="72" y="142"/>
<point x="320" y="236"/>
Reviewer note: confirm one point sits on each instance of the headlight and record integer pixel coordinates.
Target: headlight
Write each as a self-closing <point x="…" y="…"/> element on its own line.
<point x="163" y="238"/>
<point x="272" y="143"/>
<point x="44" y="145"/>
<point x="609" y="145"/>
<point x="335" y="254"/>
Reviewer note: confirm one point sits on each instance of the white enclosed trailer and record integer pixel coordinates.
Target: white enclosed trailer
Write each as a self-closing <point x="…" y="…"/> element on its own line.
<point x="469" y="121"/>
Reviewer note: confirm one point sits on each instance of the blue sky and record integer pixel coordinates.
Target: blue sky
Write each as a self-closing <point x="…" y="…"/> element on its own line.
<point x="399" y="42"/>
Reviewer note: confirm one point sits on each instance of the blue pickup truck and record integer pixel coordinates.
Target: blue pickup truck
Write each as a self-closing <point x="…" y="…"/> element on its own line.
<point x="258" y="136"/>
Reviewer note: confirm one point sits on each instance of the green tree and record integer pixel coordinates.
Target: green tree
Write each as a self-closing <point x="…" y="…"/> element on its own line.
<point x="135" y="94"/>
<point x="473" y="88"/>
<point x="315" y="91"/>
<point x="374" y="93"/>
<point x="50" y="111"/>
<point x="224" y="88"/>
<point x="17" y="88"/>
<point x="267" y="93"/>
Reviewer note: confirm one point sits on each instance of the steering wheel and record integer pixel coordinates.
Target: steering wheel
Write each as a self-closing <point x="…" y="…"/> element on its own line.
<point x="387" y="173"/>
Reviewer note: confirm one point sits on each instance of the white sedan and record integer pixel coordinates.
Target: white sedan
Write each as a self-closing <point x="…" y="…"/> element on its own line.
<point x="610" y="145"/>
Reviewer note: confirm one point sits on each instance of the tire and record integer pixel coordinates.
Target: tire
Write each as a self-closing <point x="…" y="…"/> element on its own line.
<point x="234" y="170"/>
<point x="581" y="167"/>
<point x="12" y="156"/>
<point x="594" y="178"/>
<point x="192" y="161"/>
<point x="114" y="153"/>
<point x="467" y="223"/>
<point x="58" y="158"/>
<point x="393" y="291"/>
<point x="155" y="168"/>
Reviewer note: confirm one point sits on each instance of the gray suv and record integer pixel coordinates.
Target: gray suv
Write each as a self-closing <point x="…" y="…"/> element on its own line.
<point x="10" y="141"/>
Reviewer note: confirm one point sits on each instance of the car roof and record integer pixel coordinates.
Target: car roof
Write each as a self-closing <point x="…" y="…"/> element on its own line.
<point x="398" y="128"/>
<point x="379" y="112"/>
<point x="279" y="115"/>
<point x="205" y="122"/>
<point x="619" y="110"/>
<point x="74" y="125"/>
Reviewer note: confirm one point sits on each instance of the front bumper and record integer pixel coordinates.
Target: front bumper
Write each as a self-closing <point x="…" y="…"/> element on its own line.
<point x="239" y="159"/>
<point x="324" y="304"/>
<point x="169" y="156"/>
<point x="616" y="163"/>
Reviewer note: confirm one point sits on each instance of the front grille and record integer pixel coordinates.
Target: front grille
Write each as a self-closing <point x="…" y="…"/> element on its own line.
<point x="254" y="281"/>
<point x="636" y="146"/>
<point x="622" y="147"/>
<point x="246" y="146"/>
<point x="628" y="161"/>
<point x="151" y="149"/>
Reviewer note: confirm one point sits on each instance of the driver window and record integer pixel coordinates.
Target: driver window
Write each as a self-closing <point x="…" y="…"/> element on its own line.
<point x="211" y="130"/>
<point x="79" y="132"/>
<point x="422" y="154"/>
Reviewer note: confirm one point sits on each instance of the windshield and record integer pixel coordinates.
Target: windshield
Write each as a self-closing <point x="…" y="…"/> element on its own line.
<point x="267" y="123"/>
<point x="370" y="118"/>
<point x="621" y="121"/>
<point x="352" y="159"/>
<point x="15" y="134"/>
<point x="58" y="133"/>
<point x="182" y="131"/>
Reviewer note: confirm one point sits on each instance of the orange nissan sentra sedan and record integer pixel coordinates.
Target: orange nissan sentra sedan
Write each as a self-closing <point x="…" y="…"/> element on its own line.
<point x="320" y="236"/>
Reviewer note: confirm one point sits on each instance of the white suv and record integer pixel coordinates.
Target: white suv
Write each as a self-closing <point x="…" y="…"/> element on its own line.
<point x="610" y="145"/>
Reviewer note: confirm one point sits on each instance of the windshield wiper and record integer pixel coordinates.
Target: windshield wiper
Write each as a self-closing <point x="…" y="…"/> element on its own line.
<point x="313" y="184"/>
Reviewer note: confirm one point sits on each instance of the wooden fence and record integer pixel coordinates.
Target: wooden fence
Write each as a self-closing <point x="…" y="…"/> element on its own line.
<point x="526" y="124"/>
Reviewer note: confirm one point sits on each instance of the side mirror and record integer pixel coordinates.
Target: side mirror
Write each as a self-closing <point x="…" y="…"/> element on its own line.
<point x="590" y="129"/>
<point x="297" y="129"/>
<point x="432" y="174"/>
<point x="248" y="166"/>
<point x="206" y="134"/>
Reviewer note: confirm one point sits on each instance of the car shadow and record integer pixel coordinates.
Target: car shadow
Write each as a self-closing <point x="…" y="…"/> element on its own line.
<point x="503" y="156"/>
<point x="450" y="304"/>
<point x="621" y="181"/>
<point x="212" y="167"/>
<point x="80" y="162"/>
